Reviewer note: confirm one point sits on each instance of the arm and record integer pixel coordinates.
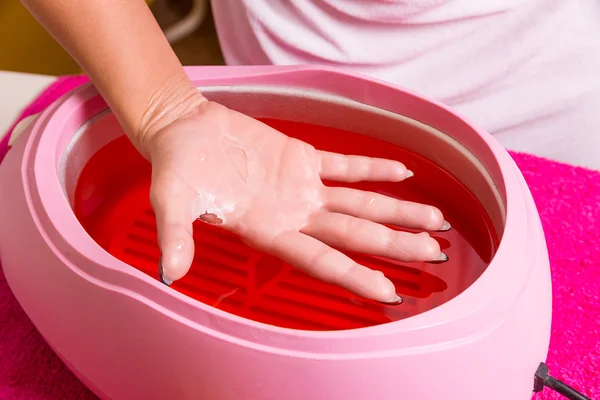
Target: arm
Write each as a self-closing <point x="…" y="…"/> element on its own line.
<point x="122" y="49"/>
<point x="120" y="46"/>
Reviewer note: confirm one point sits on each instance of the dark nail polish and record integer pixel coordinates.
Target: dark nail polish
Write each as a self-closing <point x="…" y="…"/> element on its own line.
<point x="440" y="260"/>
<point x="161" y="274"/>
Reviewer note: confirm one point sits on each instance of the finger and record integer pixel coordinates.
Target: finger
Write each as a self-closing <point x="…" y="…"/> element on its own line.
<point x="343" y="168"/>
<point x="329" y="265"/>
<point x="384" y="209"/>
<point x="349" y="233"/>
<point x="172" y="207"/>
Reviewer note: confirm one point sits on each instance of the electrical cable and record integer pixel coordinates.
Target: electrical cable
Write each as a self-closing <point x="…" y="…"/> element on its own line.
<point x="543" y="379"/>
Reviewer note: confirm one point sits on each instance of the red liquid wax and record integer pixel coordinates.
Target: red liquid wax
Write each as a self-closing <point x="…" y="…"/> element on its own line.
<point x="112" y="203"/>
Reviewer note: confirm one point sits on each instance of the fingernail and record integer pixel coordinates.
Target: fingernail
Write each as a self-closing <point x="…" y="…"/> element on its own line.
<point x="409" y="174"/>
<point x="161" y="274"/>
<point x="394" y="301"/>
<point x="446" y="226"/>
<point x="443" y="257"/>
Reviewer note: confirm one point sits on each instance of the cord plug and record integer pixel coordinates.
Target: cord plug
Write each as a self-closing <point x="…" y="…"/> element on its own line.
<point x="543" y="379"/>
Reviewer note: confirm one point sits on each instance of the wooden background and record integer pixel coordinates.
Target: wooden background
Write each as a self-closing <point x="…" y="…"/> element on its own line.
<point x="26" y="47"/>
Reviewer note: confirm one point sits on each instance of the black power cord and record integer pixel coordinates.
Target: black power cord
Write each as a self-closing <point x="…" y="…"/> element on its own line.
<point x="543" y="379"/>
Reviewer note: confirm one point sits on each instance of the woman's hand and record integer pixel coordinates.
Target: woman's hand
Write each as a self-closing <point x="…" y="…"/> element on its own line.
<point x="229" y="169"/>
<point x="223" y="167"/>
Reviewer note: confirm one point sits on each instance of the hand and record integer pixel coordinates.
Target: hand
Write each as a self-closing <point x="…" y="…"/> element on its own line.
<point x="229" y="169"/>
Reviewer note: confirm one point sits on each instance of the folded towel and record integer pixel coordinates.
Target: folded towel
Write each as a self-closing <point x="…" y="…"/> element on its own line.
<point x="568" y="199"/>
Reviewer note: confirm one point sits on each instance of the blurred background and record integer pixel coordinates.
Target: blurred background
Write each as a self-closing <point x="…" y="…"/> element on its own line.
<point x="31" y="49"/>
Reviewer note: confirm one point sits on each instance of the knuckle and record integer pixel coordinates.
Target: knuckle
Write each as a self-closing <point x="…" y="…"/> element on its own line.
<point x="365" y="199"/>
<point x="347" y="272"/>
<point x="343" y="164"/>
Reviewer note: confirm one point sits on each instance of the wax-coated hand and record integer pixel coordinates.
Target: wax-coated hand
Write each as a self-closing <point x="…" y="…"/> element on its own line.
<point x="229" y="169"/>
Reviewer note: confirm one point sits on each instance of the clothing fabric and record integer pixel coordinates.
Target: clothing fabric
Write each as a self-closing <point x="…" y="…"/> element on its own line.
<point x="527" y="71"/>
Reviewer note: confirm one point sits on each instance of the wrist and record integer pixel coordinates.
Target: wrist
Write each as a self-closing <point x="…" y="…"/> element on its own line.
<point x="173" y="99"/>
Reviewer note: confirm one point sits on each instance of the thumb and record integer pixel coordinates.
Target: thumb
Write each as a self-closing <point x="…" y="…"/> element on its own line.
<point x="172" y="206"/>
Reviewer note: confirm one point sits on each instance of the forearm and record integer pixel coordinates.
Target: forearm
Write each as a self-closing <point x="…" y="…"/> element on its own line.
<point x="124" y="52"/>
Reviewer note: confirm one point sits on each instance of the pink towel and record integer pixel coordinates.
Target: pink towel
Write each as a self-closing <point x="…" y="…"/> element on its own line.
<point x="568" y="199"/>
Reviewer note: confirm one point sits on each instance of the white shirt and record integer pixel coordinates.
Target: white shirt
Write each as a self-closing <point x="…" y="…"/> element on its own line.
<point x="528" y="71"/>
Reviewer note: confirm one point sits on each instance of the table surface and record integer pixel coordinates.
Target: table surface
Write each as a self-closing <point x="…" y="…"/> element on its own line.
<point x="17" y="90"/>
